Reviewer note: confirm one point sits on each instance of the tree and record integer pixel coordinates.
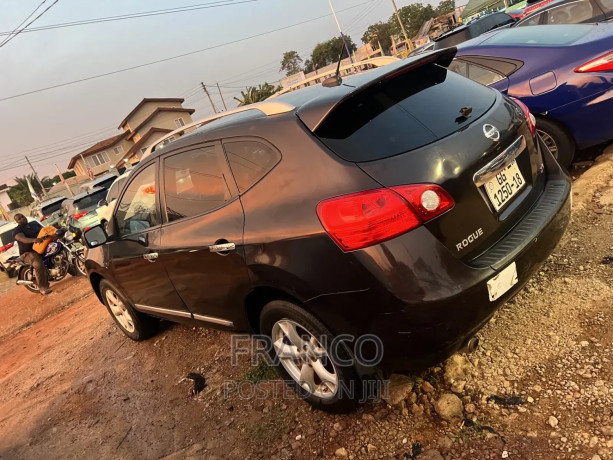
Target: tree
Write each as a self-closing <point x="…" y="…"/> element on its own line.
<point x="308" y="66"/>
<point x="379" y="33"/>
<point x="251" y="95"/>
<point x="20" y="193"/>
<point x="412" y="17"/>
<point x="446" y="6"/>
<point x="291" y="63"/>
<point x="328" y="52"/>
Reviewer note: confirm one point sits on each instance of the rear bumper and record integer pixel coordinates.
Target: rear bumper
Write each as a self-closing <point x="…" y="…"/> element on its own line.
<point x="427" y="303"/>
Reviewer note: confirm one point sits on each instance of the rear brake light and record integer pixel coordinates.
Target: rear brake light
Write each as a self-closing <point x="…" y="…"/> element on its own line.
<point x="86" y="229"/>
<point x="529" y="117"/>
<point x="78" y="215"/>
<point x="601" y="64"/>
<point x="43" y="218"/>
<point x="366" y="218"/>
<point x="6" y="247"/>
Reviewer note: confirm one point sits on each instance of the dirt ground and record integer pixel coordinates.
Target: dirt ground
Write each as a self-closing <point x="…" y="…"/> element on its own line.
<point x="539" y="386"/>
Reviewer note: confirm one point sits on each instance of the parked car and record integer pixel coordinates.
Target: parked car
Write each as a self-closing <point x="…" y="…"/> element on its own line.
<point x="8" y="246"/>
<point x="522" y="9"/>
<point x="79" y="212"/>
<point x="102" y="181"/>
<point x="48" y="211"/>
<point x="465" y="32"/>
<point x="106" y="205"/>
<point x="562" y="73"/>
<point x="407" y="204"/>
<point x="568" y="12"/>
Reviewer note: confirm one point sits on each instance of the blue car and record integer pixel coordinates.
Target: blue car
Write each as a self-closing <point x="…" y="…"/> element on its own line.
<point x="563" y="73"/>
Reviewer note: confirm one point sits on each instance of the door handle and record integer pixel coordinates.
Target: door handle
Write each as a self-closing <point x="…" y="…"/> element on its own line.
<point x="224" y="247"/>
<point x="151" y="256"/>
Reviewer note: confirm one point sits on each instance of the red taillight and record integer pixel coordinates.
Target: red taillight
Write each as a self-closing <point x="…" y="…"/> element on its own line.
<point x="529" y="116"/>
<point x="86" y="229"/>
<point x="78" y="215"/>
<point x="603" y="63"/>
<point x="366" y="218"/>
<point x="43" y="218"/>
<point x="6" y="247"/>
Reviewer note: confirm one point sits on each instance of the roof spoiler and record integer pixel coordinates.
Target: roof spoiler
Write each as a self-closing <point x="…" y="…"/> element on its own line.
<point x="442" y="57"/>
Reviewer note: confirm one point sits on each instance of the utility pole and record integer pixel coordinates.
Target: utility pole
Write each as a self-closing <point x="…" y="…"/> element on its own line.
<point x="341" y="32"/>
<point x="221" y="96"/>
<point x="63" y="180"/>
<point x="209" y="96"/>
<point x="37" y="179"/>
<point x="404" y="32"/>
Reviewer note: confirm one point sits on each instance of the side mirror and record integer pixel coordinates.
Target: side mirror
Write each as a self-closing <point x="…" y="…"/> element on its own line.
<point x="95" y="236"/>
<point x="102" y="203"/>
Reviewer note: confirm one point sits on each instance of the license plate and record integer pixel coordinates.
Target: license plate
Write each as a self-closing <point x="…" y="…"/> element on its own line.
<point x="501" y="188"/>
<point x="502" y="282"/>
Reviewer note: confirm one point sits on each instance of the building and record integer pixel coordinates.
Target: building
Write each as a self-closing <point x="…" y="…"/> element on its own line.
<point x="148" y="121"/>
<point x="5" y="201"/>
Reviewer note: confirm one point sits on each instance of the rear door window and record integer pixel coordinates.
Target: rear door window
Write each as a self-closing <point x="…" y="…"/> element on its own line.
<point x="194" y="182"/>
<point x="250" y="161"/>
<point x="138" y="209"/>
<point x="404" y="113"/>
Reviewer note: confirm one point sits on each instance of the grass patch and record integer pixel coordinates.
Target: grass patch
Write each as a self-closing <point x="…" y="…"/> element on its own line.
<point x="271" y="428"/>
<point x="261" y="373"/>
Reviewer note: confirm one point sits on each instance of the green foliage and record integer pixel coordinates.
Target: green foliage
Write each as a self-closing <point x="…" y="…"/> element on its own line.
<point x="261" y="373"/>
<point x="327" y="52"/>
<point x="412" y="17"/>
<point x="379" y="33"/>
<point x="308" y="66"/>
<point x="20" y="193"/>
<point x="446" y="6"/>
<point x="290" y="63"/>
<point x="251" y="95"/>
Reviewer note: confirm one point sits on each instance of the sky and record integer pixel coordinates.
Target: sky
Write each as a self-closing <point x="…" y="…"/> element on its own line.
<point x="53" y="125"/>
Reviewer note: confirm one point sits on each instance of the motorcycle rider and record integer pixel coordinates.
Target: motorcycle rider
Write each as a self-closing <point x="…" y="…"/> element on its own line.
<point x="26" y="235"/>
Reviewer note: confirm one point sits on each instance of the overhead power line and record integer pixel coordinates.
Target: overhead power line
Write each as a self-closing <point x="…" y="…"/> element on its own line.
<point x="27" y="25"/>
<point x="190" y="53"/>
<point x="141" y="14"/>
<point x="21" y="23"/>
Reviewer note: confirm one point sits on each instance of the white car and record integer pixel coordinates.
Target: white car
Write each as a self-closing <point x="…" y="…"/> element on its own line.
<point x="8" y="245"/>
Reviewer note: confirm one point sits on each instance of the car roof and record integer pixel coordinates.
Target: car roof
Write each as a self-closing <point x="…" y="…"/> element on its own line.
<point x="7" y="226"/>
<point x="52" y="201"/>
<point x="533" y="36"/>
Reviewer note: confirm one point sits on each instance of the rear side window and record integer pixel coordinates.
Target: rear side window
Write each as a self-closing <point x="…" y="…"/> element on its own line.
<point x="194" y="183"/>
<point x="399" y="115"/>
<point x="250" y="161"/>
<point x="571" y="13"/>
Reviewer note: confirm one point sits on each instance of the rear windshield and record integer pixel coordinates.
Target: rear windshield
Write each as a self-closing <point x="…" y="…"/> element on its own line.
<point x="51" y="208"/>
<point x="540" y="36"/>
<point x="402" y="114"/>
<point x="89" y="201"/>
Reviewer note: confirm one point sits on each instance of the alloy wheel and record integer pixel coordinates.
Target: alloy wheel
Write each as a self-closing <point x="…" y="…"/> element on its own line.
<point x="120" y="311"/>
<point x="305" y="359"/>
<point x="549" y="142"/>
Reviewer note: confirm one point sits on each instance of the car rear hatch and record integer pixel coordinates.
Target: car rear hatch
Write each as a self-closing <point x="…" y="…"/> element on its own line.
<point x="429" y="125"/>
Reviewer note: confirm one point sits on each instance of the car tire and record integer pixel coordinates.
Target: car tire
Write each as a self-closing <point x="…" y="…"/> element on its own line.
<point x="558" y="140"/>
<point x="281" y="320"/>
<point x="132" y="323"/>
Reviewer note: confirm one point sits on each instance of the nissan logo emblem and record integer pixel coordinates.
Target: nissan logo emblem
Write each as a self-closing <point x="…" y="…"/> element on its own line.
<point x="491" y="132"/>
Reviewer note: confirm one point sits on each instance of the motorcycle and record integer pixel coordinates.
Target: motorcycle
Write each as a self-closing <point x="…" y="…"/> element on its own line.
<point x="61" y="257"/>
